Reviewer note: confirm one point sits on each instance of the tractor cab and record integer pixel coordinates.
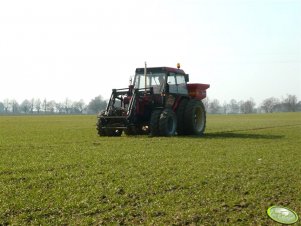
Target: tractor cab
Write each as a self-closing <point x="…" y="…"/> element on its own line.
<point x="162" y="80"/>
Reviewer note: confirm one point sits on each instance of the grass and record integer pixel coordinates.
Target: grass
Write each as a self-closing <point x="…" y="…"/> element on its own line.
<point x="55" y="170"/>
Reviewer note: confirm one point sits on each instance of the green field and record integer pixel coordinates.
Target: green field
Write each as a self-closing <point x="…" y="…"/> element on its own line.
<point x="55" y="170"/>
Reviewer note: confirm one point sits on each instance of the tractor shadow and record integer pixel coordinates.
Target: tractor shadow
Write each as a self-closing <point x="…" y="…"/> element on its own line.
<point x="236" y="134"/>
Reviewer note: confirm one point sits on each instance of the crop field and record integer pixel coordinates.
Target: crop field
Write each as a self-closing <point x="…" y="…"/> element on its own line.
<point x="55" y="170"/>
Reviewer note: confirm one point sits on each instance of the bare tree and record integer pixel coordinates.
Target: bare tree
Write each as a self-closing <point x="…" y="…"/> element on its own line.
<point x="299" y="106"/>
<point x="45" y="105"/>
<point x="269" y="104"/>
<point x="38" y="105"/>
<point x="233" y="107"/>
<point x="1" y="107"/>
<point x="59" y="107"/>
<point x="214" y="106"/>
<point x="6" y="104"/>
<point x="15" y="107"/>
<point x="225" y="108"/>
<point x="206" y="103"/>
<point x="25" y="106"/>
<point x="31" y="106"/>
<point x="290" y="103"/>
<point x="67" y="105"/>
<point x="79" y="106"/>
<point x="247" y="107"/>
<point x="51" y="106"/>
<point x="96" y="105"/>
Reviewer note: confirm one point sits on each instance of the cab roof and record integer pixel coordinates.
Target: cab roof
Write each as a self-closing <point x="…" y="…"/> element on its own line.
<point x="160" y="70"/>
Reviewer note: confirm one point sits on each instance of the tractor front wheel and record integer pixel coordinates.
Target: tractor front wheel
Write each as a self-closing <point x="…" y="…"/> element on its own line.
<point x="167" y="122"/>
<point x="113" y="132"/>
<point x="99" y="126"/>
<point x="102" y="131"/>
<point x="154" y="123"/>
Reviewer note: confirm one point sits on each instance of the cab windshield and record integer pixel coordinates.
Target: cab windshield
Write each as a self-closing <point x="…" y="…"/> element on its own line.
<point x="155" y="80"/>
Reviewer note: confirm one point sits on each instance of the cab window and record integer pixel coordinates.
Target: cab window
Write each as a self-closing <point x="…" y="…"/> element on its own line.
<point x="177" y="84"/>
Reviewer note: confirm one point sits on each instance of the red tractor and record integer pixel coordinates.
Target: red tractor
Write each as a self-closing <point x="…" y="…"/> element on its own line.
<point x="159" y="102"/>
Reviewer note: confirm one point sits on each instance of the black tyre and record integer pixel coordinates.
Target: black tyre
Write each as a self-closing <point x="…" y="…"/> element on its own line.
<point x="167" y="122"/>
<point x="154" y="123"/>
<point x="130" y="131"/>
<point x="102" y="131"/>
<point x="195" y="118"/>
<point x="144" y="130"/>
<point x="118" y="132"/>
<point x="180" y="117"/>
<point x="113" y="132"/>
<point x="99" y="126"/>
<point x="136" y="130"/>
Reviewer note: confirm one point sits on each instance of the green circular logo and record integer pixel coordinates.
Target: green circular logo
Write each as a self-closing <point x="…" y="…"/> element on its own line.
<point x="282" y="215"/>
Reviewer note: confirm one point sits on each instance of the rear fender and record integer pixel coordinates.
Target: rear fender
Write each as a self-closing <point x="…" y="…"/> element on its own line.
<point x="197" y="90"/>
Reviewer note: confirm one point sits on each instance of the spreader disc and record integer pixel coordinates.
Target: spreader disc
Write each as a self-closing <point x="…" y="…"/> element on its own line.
<point x="282" y="215"/>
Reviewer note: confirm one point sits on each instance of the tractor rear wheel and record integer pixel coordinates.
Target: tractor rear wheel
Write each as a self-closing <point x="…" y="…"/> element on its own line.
<point x="180" y="117"/>
<point x="167" y="122"/>
<point x="154" y="123"/>
<point x="195" y="118"/>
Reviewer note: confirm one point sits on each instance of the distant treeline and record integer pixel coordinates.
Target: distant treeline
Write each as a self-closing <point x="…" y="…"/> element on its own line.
<point x="288" y="104"/>
<point x="37" y="106"/>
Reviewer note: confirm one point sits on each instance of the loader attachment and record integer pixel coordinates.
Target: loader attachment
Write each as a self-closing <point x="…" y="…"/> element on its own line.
<point x="122" y="112"/>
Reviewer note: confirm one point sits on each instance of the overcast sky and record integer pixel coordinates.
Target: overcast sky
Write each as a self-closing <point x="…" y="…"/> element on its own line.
<point x="81" y="49"/>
